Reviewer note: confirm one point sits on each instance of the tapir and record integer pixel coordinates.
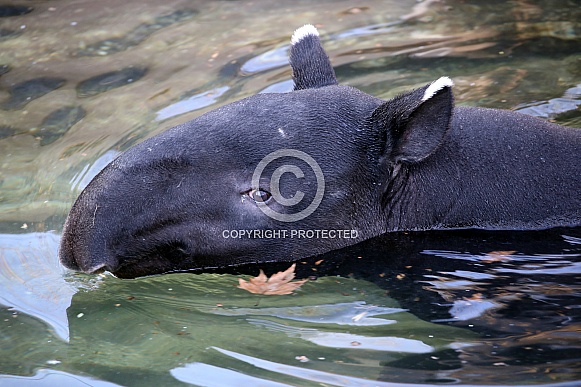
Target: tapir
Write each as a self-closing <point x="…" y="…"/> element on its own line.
<point x="283" y="176"/>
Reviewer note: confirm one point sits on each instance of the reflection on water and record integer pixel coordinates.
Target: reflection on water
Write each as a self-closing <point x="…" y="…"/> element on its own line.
<point x="31" y="279"/>
<point x="193" y="103"/>
<point x="356" y="313"/>
<point x="272" y="59"/>
<point x="314" y="375"/>
<point x="47" y="377"/>
<point x="555" y="106"/>
<point x="82" y="178"/>
<point x="201" y="374"/>
<point x="508" y="316"/>
<point x="348" y="340"/>
<point x="82" y="81"/>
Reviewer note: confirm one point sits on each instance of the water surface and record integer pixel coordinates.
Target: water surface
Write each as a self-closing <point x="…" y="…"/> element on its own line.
<point x="82" y="81"/>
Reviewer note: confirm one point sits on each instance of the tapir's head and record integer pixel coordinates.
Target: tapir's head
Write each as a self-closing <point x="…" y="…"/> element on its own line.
<point x="272" y="177"/>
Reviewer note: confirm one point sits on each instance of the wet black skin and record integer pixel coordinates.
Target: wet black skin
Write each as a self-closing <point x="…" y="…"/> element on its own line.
<point x="415" y="162"/>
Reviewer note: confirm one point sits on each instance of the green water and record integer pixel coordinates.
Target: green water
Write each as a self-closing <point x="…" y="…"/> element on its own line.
<point x="82" y="81"/>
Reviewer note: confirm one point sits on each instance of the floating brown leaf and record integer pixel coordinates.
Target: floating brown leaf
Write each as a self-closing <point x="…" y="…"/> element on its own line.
<point x="278" y="284"/>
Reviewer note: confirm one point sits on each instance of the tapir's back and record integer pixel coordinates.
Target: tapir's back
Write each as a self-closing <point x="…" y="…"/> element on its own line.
<point x="518" y="171"/>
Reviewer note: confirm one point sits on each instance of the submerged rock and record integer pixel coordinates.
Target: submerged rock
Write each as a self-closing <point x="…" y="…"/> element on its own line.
<point x="14" y="10"/>
<point x="137" y="35"/>
<point x="6" y="131"/>
<point x="8" y="34"/>
<point x="24" y="92"/>
<point x="57" y="123"/>
<point x="108" y="81"/>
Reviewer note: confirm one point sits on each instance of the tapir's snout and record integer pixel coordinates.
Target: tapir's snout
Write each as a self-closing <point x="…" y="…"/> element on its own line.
<point x="110" y="230"/>
<point x="67" y="256"/>
<point x="141" y="216"/>
<point x="121" y="218"/>
<point x="82" y="249"/>
<point x="72" y="258"/>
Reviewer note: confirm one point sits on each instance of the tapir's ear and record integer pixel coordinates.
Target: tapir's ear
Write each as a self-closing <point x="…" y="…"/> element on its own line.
<point x="311" y="65"/>
<point x="415" y="123"/>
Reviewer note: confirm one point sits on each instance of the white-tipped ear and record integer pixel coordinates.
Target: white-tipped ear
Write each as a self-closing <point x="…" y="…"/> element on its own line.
<point x="414" y="124"/>
<point x="304" y="31"/>
<point x="437" y="86"/>
<point x="311" y="65"/>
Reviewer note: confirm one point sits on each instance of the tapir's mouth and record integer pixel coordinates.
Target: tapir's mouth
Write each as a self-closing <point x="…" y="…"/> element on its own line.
<point x="99" y="269"/>
<point x="95" y="269"/>
<point x="90" y="266"/>
<point x="139" y="259"/>
<point x="81" y="257"/>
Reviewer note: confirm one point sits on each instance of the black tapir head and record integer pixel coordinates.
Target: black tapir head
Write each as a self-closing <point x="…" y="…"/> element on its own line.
<point x="269" y="178"/>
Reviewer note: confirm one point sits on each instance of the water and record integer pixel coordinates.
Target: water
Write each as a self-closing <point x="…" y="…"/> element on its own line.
<point x="82" y="81"/>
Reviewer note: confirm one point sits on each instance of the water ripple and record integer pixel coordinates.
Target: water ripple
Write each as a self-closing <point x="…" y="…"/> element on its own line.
<point x="192" y="103"/>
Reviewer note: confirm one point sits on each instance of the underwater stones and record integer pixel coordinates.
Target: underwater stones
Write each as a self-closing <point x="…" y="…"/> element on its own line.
<point x="8" y="34"/>
<point x="57" y="123"/>
<point x="137" y="35"/>
<point x="53" y="127"/>
<point x="14" y="10"/>
<point x="108" y="81"/>
<point x="6" y="131"/>
<point x="24" y="92"/>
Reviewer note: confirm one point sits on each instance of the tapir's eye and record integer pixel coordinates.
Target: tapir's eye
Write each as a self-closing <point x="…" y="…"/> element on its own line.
<point x="259" y="195"/>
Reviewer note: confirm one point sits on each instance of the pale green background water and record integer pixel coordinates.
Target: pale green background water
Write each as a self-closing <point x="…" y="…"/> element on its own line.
<point x="168" y="62"/>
